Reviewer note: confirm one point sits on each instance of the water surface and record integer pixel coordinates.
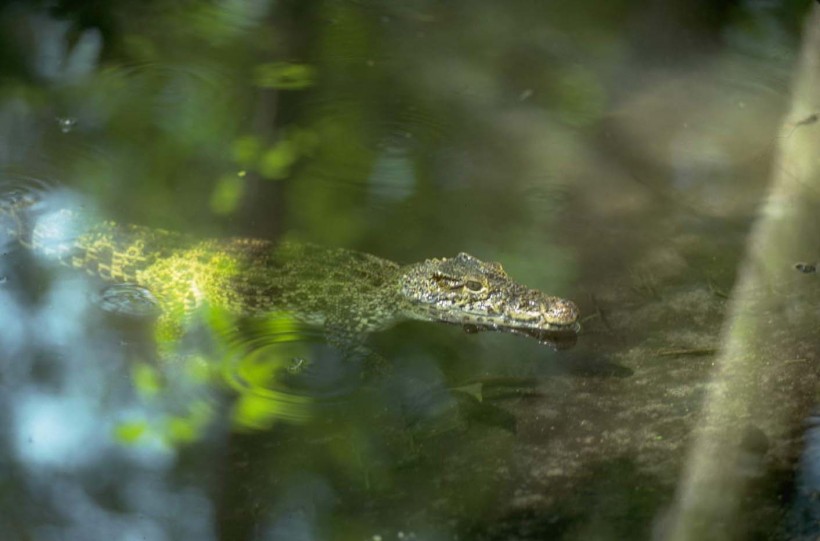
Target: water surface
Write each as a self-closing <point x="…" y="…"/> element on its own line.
<point x="613" y="153"/>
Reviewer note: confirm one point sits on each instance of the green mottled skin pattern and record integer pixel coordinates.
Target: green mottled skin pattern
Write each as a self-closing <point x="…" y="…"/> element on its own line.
<point x="340" y="289"/>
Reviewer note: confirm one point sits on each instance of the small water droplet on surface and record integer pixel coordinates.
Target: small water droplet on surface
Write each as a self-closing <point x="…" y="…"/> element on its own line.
<point x="66" y="123"/>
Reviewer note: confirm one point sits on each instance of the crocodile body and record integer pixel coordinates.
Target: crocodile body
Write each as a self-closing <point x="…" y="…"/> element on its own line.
<point x="335" y="288"/>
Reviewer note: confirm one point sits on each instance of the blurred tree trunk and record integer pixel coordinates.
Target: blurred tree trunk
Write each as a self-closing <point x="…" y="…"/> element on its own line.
<point x="765" y="382"/>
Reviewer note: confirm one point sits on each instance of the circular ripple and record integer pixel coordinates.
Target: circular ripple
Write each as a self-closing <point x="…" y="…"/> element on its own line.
<point x="285" y="370"/>
<point x="128" y="300"/>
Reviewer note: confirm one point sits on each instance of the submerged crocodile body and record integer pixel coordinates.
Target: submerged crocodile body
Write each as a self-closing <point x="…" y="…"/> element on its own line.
<point x="341" y="290"/>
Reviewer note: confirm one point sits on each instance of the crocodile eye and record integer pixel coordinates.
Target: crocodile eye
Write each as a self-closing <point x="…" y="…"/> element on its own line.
<point x="473" y="285"/>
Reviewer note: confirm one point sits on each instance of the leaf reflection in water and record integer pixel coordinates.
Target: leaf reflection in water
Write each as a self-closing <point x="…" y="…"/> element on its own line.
<point x="283" y="370"/>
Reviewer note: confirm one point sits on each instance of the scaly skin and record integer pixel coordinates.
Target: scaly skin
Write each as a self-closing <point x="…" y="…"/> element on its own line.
<point x="342" y="290"/>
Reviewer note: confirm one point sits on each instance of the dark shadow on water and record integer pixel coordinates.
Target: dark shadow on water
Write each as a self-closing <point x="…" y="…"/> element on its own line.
<point x="588" y="365"/>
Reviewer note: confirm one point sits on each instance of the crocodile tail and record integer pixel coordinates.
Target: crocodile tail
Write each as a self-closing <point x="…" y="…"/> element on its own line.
<point x="56" y="224"/>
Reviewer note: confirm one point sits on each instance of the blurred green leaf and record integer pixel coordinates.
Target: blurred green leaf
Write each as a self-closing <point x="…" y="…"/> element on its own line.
<point x="227" y="194"/>
<point x="187" y="428"/>
<point x="254" y="412"/>
<point x="130" y="432"/>
<point x="275" y="163"/>
<point x="246" y="150"/>
<point x="182" y="430"/>
<point x="284" y="76"/>
<point x="146" y="379"/>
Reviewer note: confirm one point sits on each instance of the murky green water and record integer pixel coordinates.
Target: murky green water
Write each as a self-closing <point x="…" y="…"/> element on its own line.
<point x="612" y="153"/>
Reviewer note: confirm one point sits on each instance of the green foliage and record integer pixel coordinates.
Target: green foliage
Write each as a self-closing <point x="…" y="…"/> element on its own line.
<point x="246" y="150"/>
<point x="284" y="76"/>
<point x="256" y="375"/>
<point x="147" y="379"/>
<point x="275" y="163"/>
<point x="187" y="428"/>
<point x="128" y="433"/>
<point x="227" y="194"/>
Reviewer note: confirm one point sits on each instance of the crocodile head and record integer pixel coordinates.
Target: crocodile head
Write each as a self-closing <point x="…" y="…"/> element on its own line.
<point x="481" y="296"/>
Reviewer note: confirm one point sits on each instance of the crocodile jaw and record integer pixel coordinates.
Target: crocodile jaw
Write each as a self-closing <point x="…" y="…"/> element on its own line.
<point x="546" y="314"/>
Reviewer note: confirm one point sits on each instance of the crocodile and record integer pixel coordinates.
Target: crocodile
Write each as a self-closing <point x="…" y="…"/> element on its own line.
<point x="340" y="290"/>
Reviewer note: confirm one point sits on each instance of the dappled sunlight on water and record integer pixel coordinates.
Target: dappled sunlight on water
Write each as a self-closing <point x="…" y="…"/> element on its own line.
<point x="283" y="370"/>
<point x="65" y="391"/>
<point x="611" y="153"/>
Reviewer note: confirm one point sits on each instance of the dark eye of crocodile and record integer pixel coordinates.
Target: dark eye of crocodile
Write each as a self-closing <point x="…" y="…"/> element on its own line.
<point x="472" y="285"/>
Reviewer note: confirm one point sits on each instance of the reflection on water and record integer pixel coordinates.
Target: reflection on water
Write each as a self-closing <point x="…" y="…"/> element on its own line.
<point x="609" y="153"/>
<point x="128" y="299"/>
<point x="63" y="393"/>
<point x="286" y="371"/>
